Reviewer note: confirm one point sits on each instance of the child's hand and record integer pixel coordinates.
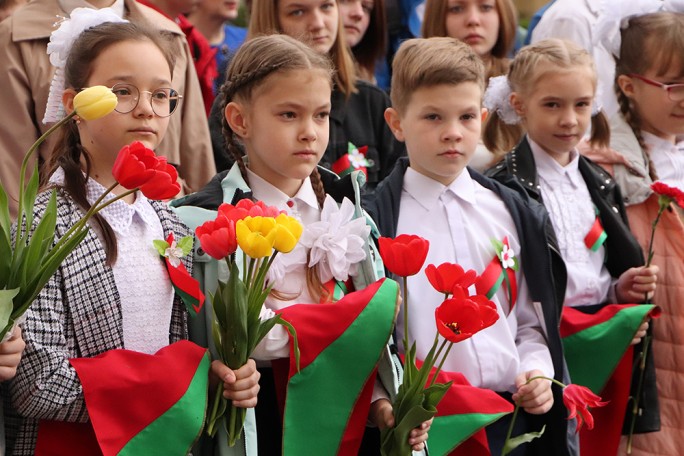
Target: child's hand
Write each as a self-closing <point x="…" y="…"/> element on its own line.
<point x="10" y="355"/>
<point x="381" y="415"/>
<point x="240" y="386"/>
<point x="637" y="284"/>
<point x="536" y="396"/>
<point x="641" y="332"/>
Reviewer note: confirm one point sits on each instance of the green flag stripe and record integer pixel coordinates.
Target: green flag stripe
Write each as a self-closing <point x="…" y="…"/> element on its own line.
<point x="187" y="299"/>
<point x="311" y="392"/>
<point x="492" y="291"/>
<point x="175" y="431"/>
<point x="593" y="353"/>
<point x="448" y="432"/>
<point x="599" y="242"/>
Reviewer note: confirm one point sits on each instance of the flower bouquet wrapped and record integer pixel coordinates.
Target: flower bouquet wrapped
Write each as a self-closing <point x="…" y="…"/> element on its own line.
<point x="261" y="232"/>
<point x="459" y="317"/>
<point x="30" y="255"/>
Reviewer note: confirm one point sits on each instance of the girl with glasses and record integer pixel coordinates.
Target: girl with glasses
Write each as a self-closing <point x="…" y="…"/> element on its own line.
<point x="649" y="131"/>
<point x="113" y="291"/>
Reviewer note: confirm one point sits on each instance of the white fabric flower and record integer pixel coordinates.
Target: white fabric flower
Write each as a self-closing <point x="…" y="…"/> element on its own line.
<point x="507" y="257"/>
<point x="336" y="244"/>
<point x="174" y="254"/>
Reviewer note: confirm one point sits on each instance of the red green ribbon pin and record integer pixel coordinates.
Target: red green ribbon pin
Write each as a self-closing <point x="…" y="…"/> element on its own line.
<point x="354" y="159"/>
<point x="596" y="235"/>
<point x="183" y="283"/>
<point x="500" y="270"/>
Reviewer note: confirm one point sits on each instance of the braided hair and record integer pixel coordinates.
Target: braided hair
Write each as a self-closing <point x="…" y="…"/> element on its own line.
<point x="255" y="61"/>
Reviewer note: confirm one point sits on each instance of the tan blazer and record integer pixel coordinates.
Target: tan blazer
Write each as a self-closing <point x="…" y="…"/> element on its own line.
<point x="25" y="80"/>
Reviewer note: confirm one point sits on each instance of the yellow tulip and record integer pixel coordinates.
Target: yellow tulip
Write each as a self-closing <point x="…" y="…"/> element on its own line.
<point x="288" y="231"/>
<point x="255" y="236"/>
<point x="95" y="102"/>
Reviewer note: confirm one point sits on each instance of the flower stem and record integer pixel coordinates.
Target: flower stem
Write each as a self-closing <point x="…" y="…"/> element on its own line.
<point x="510" y="428"/>
<point x="635" y="407"/>
<point x="406" y="316"/>
<point x="24" y="165"/>
<point x="441" y="362"/>
<point x="218" y="395"/>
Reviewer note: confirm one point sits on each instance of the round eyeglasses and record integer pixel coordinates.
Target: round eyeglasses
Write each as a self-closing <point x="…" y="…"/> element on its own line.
<point x="674" y="91"/>
<point x="164" y="101"/>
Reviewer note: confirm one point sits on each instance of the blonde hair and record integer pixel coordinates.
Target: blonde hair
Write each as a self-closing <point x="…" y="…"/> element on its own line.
<point x="434" y="24"/>
<point x="427" y="62"/>
<point x="553" y="55"/>
<point x="651" y="41"/>
<point x="264" y="21"/>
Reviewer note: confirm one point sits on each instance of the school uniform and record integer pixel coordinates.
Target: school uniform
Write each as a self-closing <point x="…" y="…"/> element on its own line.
<point x="87" y="309"/>
<point x="575" y="196"/>
<point x="230" y="187"/>
<point x="460" y="220"/>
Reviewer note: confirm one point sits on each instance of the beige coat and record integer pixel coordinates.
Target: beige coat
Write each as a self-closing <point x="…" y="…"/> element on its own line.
<point x="25" y="80"/>
<point x="668" y="330"/>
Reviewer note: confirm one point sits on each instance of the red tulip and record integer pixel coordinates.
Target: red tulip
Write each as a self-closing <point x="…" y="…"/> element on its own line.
<point x="404" y="255"/>
<point x="459" y="319"/>
<point x="217" y="237"/>
<point x="446" y="276"/>
<point x="577" y="399"/>
<point x="164" y="184"/>
<point x="135" y="164"/>
<point x="247" y="208"/>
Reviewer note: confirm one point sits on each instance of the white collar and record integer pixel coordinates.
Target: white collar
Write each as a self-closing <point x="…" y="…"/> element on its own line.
<point x="657" y="143"/>
<point x="273" y="196"/>
<point x="549" y="169"/>
<point x="427" y="191"/>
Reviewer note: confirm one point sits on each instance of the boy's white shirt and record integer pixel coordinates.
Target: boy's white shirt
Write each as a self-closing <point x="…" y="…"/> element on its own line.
<point x="514" y="344"/>
<point x="567" y="199"/>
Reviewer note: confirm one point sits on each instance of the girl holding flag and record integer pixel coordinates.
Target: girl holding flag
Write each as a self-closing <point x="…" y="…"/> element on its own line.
<point x="549" y="92"/>
<point x="76" y="391"/>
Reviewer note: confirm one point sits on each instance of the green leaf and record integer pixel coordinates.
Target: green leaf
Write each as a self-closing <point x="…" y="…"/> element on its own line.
<point x="293" y="333"/>
<point x="41" y="239"/>
<point x="5" y="260"/>
<point x="5" y="220"/>
<point x="185" y="244"/>
<point x="6" y="306"/>
<point x="30" y="196"/>
<point x="498" y="246"/>
<point x="515" y="442"/>
<point x="160" y="246"/>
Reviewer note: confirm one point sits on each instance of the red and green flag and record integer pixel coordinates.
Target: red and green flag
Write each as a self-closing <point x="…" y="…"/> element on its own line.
<point x="596" y="235"/>
<point x="599" y="356"/>
<point x="137" y="403"/>
<point x="340" y="343"/>
<point x="462" y="415"/>
<point x="354" y="159"/>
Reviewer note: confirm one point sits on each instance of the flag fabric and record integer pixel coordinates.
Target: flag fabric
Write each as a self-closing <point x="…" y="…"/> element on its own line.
<point x="462" y="415"/>
<point x="599" y="356"/>
<point x="328" y="398"/>
<point x="354" y="159"/>
<point x="137" y="403"/>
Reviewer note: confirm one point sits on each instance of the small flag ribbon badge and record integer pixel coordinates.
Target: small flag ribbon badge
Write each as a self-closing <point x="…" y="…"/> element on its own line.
<point x="137" y="404"/>
<point x="185" y="286"/>
<point x="596" y="235"/>
<point x="500" y="270"/>
<point x="354" y="159"/>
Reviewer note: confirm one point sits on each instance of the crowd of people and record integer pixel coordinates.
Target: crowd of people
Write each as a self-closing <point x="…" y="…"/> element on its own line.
<point x="550" y="150"/>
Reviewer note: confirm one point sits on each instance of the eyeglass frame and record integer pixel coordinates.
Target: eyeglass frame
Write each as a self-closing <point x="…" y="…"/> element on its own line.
<point x="178" y="101"/>
<point x="666" y="87"/>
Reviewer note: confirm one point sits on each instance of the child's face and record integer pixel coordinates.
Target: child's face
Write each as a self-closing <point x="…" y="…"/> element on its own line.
<point x="313" y="22"/>
<point x="284" y="128"/>
<point x="355" y="18"/>
<point x="659" y="114"/>
<point x="441" y="126"/>
<point x="226" y="10"/>
<point x="140" y="64"/>
<point x="557" y="111"/>
<point x="475" y="22"/>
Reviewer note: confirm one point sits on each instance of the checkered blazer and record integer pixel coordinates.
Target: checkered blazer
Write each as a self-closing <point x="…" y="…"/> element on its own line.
<point x="76" y="315"/>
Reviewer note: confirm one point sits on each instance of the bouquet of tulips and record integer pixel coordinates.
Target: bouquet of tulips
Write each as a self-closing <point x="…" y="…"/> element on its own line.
<point x="261" y="232"/>
<point x="459" y="317"/>
<point x="29" y="260"/>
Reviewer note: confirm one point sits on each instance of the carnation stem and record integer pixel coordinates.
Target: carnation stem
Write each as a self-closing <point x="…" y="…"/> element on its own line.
<point x="654" y="225"/>
<point x="510" y="428"/>
<point x="635" y="407"/>
<point x="24" y="165"/>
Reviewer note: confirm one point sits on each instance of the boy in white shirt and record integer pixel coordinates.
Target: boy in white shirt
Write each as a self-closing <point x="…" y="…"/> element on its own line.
<point x="437" y="111"/>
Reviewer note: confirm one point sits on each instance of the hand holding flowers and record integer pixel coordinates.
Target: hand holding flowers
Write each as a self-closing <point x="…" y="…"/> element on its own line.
<point x="261" y="232"/>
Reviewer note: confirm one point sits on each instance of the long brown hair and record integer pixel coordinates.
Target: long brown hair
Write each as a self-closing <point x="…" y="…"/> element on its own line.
<point x="69" y="153"/>
<point x="651" y="41"/>
<point x="255" y="62"/>
<point x="264" y="21"/>
<point x="434" y="24"/>
<point x="524" y="73"/>
<point x="373" y="45"/>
